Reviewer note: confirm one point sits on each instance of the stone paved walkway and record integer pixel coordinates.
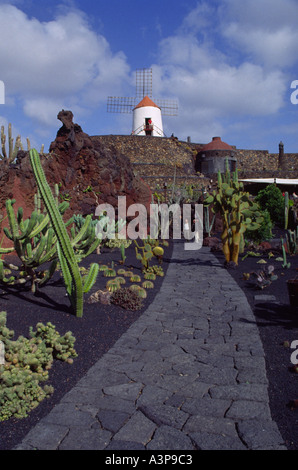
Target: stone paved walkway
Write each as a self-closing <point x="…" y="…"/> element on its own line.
<point x="189" y="374"/>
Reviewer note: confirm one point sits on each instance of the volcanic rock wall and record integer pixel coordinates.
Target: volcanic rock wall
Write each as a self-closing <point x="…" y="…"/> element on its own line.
<point x="157" y="160"/>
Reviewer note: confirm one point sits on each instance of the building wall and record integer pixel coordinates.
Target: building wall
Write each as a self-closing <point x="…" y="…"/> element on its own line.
<point x="155" y="159"/>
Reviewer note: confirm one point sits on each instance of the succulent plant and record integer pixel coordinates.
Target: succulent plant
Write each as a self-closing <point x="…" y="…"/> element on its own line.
<point x="135" y="278"/>
<point x="144" y="253"/>
<point x="127" y="273"/>
<point x="103" y="267"/>
<point x="112" y="285"/>
<point x="141" y="292"/>
<point x="292" y="241"/>
<point x="148" y="285"/>
<point x="134" y="287"/>
<point x="238" y="213"/>
<point x="158" y="251"/>
<point x="285" y="264"/>
<point x="121" y="271"/>
<point x="264" y="277"/>
<point x="27" y="364"/>
<point x="109" y="272"/>
<point x="150" y="276"/>
<point x="127" y="299"/>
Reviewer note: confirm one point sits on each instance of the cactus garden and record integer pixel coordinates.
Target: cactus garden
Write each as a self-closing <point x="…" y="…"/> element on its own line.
<point x="67" y="295"/>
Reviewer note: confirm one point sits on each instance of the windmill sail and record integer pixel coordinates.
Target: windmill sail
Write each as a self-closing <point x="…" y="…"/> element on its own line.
<point x="126" y="105"/>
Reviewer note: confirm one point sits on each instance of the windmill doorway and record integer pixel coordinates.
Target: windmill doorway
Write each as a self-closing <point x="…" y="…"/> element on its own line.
<point x="148" y="126"/>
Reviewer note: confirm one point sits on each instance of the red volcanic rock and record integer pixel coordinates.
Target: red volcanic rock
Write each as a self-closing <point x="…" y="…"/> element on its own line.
<point x="88" y="174"/>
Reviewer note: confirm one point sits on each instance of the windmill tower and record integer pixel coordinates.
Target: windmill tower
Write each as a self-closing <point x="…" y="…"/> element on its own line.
<point x="147" y="114"/>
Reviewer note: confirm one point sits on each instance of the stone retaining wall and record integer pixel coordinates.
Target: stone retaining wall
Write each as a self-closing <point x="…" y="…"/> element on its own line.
<point x="155" y="159"/>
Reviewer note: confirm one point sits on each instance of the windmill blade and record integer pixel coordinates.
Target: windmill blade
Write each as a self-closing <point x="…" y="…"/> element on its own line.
<point x="117" y="104"/>
<point x="168" y="107"/>
<point x="143" y="83"/>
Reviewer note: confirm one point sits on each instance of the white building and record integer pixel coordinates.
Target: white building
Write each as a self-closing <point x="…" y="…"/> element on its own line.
<point x="147" y="119"/>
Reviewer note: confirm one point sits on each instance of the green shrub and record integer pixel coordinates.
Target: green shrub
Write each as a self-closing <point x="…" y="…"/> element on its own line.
<point x="264" y="232"/>
<point x="271" y="198"/>
<point x="27" y="364"/>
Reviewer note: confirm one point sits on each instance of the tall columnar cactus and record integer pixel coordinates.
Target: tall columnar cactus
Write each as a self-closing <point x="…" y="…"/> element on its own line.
<point x="292" y="241"/>
<point x="12" y="149"/>
<point x="238" y="213"/>
<point x="68" y="261"/>
<point x="286" y="198"/>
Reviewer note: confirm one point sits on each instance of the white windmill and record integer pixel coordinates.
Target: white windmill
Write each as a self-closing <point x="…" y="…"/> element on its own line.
<point x="147" y="114"/>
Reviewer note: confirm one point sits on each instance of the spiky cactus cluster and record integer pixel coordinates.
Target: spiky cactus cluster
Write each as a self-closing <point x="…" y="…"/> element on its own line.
<point x="27" y="364"/>
<point x="156" y="270"/>
<point x="238" y="213"/>
<point x="146" y="252"/>
<point x="12" y="148"/>
<point x="34" y="242"/>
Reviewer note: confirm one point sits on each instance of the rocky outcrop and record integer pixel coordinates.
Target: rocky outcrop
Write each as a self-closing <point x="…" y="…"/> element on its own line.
<point x="88" y="173"/>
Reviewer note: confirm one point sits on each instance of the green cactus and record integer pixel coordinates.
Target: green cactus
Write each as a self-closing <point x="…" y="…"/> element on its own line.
<point x="121" y="272"/>
<point x="291" y="241"/>
<point x="285" y="264"/>
<point x="12" y="149"/>
<point x="103" y="267"/>
<point x="286" y="199"/>
<point x="109" y="272"/>
<point x="65" y="251"/>
<point x="34" y="242"/>
<point x="112" y="285"/>
<point x="27" y="364"/>
<point x="127" y="273"/>
<point x="148" y="285"/>
<point x="146" y="254"/>
<point x="238" y="213"/>
<point x="150" y="276"/>
<point x="122" y="251"/>
<point x="142" y="293"/>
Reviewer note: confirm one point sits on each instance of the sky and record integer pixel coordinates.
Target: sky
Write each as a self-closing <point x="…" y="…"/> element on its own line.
<point x="229" y="64"/>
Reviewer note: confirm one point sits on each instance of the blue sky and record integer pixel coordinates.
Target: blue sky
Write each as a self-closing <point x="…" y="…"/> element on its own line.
<point x="228" y="63"/>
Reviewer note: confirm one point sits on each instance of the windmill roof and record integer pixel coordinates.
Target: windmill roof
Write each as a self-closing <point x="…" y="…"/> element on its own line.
<point x="146" y="101"/>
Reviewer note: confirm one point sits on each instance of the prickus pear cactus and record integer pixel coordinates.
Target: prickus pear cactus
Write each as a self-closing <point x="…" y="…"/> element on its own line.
<point x="236" y="209"/>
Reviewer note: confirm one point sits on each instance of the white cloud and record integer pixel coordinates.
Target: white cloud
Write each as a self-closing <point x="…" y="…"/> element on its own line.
<point x="43" y="110"/>
<point x="215" y="84"/>
<point x="59" y="60"/>
<point x="266" y="30"/>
